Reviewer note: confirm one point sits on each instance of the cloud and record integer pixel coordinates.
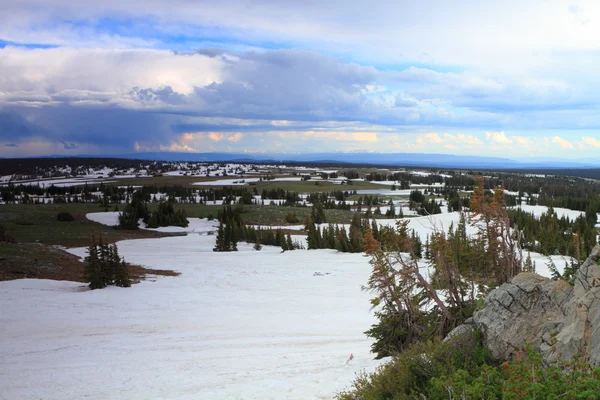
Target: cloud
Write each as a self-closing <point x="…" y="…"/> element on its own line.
<point x="230" y="137"/>
<point x="215" y="136"/>
<point x="385" y="32"/>
<point x="523" y="141"/>
<point x="69" y="146"/>
<point x="563" y="143"/>
<point x="498" y="138"/>
<point x="122" y="75"/>
<point x="177" y="147"/>
<point x="466" y="139"/>
<point x="432" y="137"/>
<point x="235" y="137"/>
<point x="590" y="141"/>
<point x="365" y="136"/>
<point x="403" y="101"/>
<point x="11" y="145"/>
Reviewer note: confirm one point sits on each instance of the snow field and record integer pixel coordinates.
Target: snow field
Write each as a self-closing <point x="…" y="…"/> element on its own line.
<point x="242" y="325"/>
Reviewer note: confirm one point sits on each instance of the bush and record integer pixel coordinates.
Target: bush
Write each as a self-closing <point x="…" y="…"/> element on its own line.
<point x="291" y="218"/>
<point x="65" y="216"/>
<point x="525" y="377"/>
<point x="411" y="374"/>
<point x="5" y="236"/>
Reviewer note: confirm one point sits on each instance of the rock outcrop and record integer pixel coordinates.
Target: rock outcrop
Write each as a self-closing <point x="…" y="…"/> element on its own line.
<point x="539" y="312"/>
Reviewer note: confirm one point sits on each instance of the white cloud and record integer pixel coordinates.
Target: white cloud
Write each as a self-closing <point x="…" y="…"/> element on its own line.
<point x="77" y="74"/>
<point x="523" y="141"/>
<point x="465" y="139"/>
<point x="563" y="143"/>
<point x="382" y="30"/>
<point x="498" y="138"/>
<point x="431" y="137"/>
<point x="590" y="141"/>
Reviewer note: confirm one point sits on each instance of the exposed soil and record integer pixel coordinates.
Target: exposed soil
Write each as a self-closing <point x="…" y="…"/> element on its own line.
<point x="30" y="260"/>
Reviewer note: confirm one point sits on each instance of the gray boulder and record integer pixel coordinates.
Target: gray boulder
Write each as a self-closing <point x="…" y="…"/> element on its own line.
<point x="542" y="313"/>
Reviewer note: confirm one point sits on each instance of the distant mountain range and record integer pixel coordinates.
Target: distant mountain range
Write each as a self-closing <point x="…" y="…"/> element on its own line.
<point x="383" y="159"/>
<point x="391" y="159"/>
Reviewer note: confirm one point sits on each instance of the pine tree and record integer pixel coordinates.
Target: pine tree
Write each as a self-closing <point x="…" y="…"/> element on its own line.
<point x="312" y="238"/>
<point x="221" y="239"/>
<point x="318" y="214"/>
<point x="528" y="266"/>
<point x="105" y="266"/>
<point x="120" y="269"/>
<point x="93" y="268"/>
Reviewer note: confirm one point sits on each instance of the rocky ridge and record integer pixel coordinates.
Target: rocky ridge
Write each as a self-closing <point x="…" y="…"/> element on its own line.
<point x="542" y="313"/>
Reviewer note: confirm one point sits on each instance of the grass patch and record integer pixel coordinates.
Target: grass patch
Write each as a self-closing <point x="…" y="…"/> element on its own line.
<point x="30" y="223"/>
<point x="263" y="215"/>
<point x="293" y="186"/>
<point x="313" y="187"/>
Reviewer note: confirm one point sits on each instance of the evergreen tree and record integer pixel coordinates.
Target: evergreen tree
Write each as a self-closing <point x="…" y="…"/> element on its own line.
<point x="104" y="266"/>
<point x="290" y="244"/>
<point x="221" y="239"/>
<point x="318" y="214"/>
<point x="528" y="266"/>
<point x="120" y="270"/>
<point x="93" y="268"/>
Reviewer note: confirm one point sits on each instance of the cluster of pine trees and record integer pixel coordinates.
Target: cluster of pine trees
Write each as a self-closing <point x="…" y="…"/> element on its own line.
<point x="353" y="241"/>
<point x="335" y="200"/>
<point x="105" y="267"/>
<point x="334" y="237"/>
<point x="291" y="198"/>
<point x="232" y="230"/>
<point x="551" y="235"/>
<point x="135" y="210"/>
<point x="391" y="212"/>
<point x="165" y="214"/>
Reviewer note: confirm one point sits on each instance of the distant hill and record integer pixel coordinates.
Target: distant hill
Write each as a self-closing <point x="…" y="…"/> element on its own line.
<point x="390" y="159"/>
<point x="421" y="160"/>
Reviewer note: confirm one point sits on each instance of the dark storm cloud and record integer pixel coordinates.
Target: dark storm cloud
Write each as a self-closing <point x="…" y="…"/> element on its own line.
<point x="69" y="146"/>
<point x="13" y="126"/>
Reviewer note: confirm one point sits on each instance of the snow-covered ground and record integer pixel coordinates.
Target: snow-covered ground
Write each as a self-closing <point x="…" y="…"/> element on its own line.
<point x="244" y="325"/>
<point x="241" y="325"/>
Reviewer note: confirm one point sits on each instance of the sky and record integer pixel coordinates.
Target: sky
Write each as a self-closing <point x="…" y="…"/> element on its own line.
<point x="493" y="78"/>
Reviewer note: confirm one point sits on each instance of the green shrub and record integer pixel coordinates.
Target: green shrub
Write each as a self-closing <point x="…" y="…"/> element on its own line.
<point x="525" y="377"/>
<point x="65" y="216"/>
<point x="411" y="374"/>
<point x="291" y="218"/>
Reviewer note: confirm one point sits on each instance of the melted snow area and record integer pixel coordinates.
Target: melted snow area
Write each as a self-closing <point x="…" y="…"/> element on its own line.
<point x="242" y="325"/>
